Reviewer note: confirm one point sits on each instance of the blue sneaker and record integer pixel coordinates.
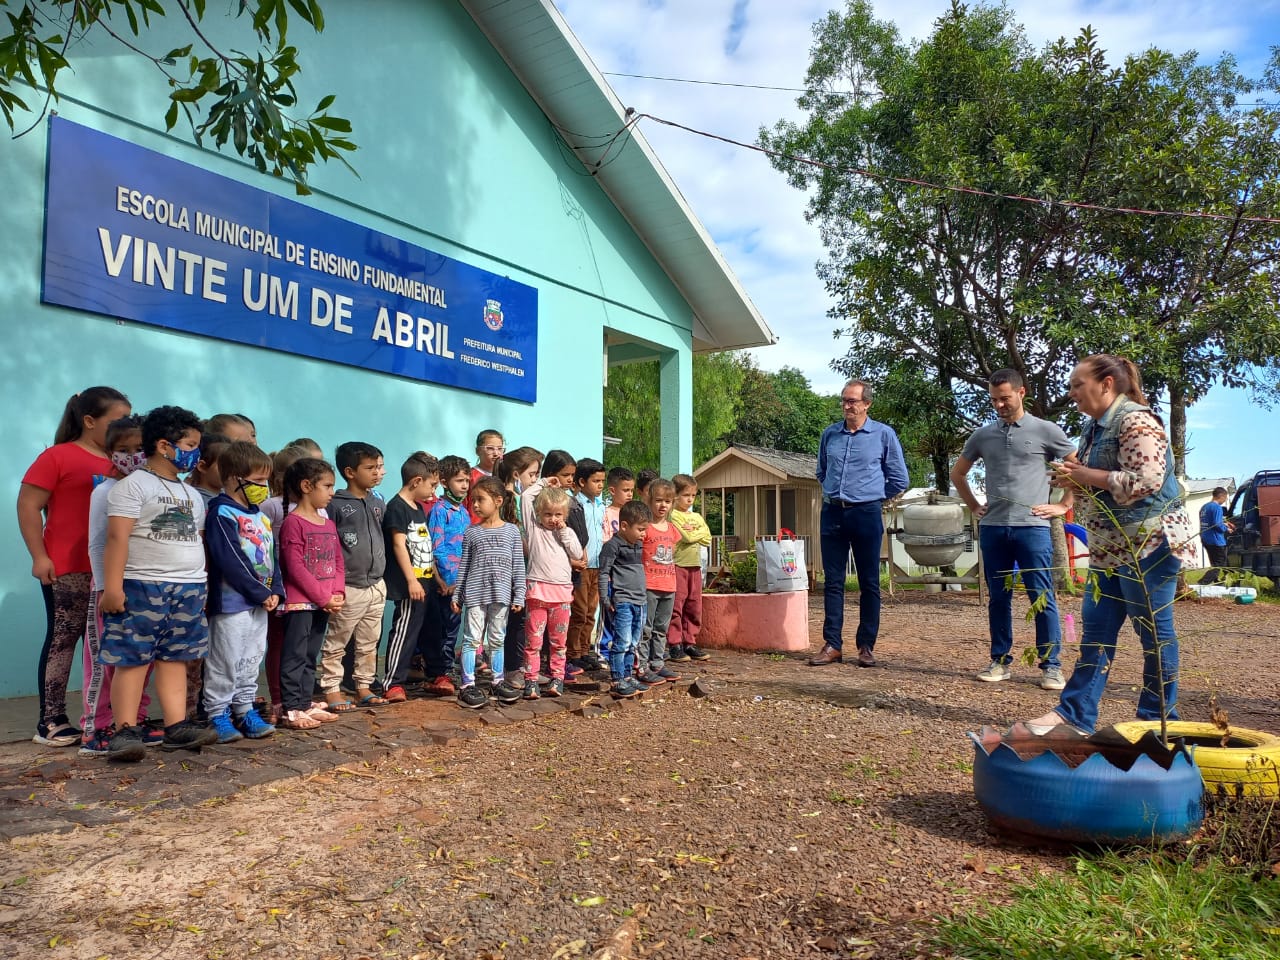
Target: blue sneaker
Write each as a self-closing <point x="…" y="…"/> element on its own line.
<point x="99" y="743"/>
<point x="224" y="728"/>
<point x="251" y="724"/>
<point x="152" y="732"/>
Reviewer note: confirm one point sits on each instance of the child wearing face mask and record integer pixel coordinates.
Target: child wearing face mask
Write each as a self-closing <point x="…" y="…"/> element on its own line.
<point x="124" y="447"/>
<point x="154" y="585"/>
<point x="244" y="587"/>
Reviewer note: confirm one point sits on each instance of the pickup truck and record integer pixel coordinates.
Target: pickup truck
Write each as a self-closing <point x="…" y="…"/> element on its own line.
<point x="1254" y="545"/>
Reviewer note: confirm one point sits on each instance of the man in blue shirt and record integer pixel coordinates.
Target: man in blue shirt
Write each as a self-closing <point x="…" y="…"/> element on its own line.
<point x="1213" y="534"/>
<point x="860" y="465"/>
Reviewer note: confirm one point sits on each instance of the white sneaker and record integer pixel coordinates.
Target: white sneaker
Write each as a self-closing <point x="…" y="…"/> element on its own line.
<point x="996" y="672"/>
<point x="1051" y="679"/>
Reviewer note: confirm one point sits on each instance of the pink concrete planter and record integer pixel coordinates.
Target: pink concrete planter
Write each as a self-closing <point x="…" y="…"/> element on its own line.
<point x="755" y="621"/>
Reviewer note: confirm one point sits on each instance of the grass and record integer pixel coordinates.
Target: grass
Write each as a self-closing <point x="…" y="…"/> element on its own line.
<point x="1136" y="905"/>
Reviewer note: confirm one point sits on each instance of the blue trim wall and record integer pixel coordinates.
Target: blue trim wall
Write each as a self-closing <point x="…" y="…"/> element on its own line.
<point x="455" y="156"/>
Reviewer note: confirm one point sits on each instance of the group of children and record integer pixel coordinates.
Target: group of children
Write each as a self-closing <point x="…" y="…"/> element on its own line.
<point x="505" y="579"/>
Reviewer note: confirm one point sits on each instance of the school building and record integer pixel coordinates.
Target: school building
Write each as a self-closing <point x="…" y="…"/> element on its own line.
<point x="496" y="253"/>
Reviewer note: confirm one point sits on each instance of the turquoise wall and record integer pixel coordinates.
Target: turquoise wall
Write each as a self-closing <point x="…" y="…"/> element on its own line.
<point x="455" y="156"/>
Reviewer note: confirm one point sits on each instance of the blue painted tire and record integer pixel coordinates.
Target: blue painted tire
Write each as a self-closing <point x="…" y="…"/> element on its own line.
<point x="1095" y="802"/>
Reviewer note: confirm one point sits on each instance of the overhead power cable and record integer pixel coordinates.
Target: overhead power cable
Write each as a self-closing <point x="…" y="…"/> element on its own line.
<point x="954" y="188"/>
<point x="825" y="93"/>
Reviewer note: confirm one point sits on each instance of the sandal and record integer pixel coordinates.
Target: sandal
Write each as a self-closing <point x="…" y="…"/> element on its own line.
<point x="299" y="720"/>
<point x="341" y="705"/>
<point x="319" y="713"/>
<point x="370" y="699"/>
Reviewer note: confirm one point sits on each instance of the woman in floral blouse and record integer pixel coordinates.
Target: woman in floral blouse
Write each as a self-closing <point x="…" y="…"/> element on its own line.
<point x="1140" y="535"/>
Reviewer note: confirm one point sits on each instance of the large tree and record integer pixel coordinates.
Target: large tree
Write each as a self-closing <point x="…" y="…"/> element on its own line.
<point x="245" y="98"/>
<point x="780" y="410"/>
<point x="956" y="284"/>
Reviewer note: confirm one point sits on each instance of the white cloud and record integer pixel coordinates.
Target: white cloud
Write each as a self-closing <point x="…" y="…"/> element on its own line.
<point x="750" y="210"/>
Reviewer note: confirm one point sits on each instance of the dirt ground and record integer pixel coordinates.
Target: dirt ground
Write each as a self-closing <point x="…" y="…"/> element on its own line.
<point x="793" y="812"/>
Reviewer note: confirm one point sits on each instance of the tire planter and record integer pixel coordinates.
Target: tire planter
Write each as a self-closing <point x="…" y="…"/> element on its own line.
<point x="1248" y="766"/>
<point x="1068" y="788"/>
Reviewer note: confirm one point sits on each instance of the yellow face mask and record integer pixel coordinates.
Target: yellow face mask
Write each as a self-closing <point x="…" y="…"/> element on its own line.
<point x="255" y="493"/>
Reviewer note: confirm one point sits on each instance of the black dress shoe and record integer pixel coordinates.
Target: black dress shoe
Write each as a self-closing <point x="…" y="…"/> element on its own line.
<point x="826" y="656"/>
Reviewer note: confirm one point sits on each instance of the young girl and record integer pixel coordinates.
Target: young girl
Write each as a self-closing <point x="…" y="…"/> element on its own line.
<point x="517" y="470"/>
<point x="314" y="587"/>
<point x="233" y="426"/>
<point x="273" y="509"/>
<point x="53" y="517"/>
<point x="206" y="477"/>
<point x="124" y="443"/>
<point x="660" y="539"/>
<point x="490" y="585"/>
<point x="551" y="547"/>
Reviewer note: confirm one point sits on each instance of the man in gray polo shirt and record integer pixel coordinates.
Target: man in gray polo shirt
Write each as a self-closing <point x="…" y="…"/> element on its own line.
<point x="1014" y="523"/>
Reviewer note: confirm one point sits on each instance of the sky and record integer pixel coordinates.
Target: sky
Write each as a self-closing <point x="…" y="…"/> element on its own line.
<point x="757" y="219"/>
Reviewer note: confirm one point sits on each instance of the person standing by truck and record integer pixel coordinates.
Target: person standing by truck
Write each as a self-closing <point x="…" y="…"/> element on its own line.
<point x="1214" y="528"/>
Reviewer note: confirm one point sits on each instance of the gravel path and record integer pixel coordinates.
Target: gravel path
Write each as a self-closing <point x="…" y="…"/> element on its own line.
<point x="794" y="812"/>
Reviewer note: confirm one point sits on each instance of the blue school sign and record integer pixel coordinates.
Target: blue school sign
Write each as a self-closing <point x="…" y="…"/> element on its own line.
<point x="134" y="234"/>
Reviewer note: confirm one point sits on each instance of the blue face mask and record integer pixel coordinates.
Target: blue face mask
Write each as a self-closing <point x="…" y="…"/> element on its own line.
<point x="184" y="461"/>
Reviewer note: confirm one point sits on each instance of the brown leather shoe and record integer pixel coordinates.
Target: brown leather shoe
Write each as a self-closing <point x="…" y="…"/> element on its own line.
<point x="865" y="658"/>
<point x="826" y="656"/>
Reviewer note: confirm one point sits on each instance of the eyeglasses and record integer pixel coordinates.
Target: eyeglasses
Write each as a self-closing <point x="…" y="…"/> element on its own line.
<point x="845" y="401"/>
<point x="494" y="449"/>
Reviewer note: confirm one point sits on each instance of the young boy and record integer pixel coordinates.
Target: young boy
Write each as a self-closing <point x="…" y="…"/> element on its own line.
<point x="588" y="509"/>
<point x="660" y="539"/>
<point x="686" y="615"/>
<point x="448" y="522"/>
<point x="410" y="568"/>
<point x="622" y="487"/>
<point x="357" y="511"/>
<point x="643" y="479"/>
<point x="622" y="584"/>
<point x="621" y="483"/>
<point x="490" y="446"/>
<point x="154" y="585"/>
<point x="244" y="587"/>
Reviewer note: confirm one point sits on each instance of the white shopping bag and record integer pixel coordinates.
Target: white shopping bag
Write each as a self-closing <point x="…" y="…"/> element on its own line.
<point x="780" y="564"/>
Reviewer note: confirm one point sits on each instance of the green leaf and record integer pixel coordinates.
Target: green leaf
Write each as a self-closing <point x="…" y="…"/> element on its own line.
<point x="187" y="94"/>
<point x="304" y="10"/>
<point x="171" y="116"/>
<point x="325" y="103"/>
<point x="339" y="124"/>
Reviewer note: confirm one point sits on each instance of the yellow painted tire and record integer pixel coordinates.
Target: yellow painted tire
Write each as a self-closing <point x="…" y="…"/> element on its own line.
<point x="1250" y="767"/>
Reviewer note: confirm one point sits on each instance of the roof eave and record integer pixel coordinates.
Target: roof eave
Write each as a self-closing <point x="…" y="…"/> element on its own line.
<point x="555" y="71"/>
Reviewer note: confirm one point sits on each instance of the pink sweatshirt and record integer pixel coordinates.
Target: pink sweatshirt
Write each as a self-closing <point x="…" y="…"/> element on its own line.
<point x="548" y="554"/>
<point x="310" y="562"/>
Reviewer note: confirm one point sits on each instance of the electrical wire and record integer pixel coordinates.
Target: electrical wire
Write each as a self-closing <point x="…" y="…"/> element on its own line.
<point x="825" y="93"/>
<point x="958" y="188"/>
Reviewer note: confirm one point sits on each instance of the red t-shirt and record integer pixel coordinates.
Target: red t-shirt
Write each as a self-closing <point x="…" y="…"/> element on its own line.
<point x="476" y="474"/>
<point x="69" y="472"/>
<point x="660" y="558"/>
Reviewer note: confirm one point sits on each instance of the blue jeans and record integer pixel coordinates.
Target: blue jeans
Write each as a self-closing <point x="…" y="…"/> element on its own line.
<point x="1144" y="596"/>
<point x="858" y="528"/>
<point x="1031" y="548"/>
<point x="628" y="624"/>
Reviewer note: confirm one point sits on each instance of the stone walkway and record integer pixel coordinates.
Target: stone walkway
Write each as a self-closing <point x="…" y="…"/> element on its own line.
<point x="56" y="790"/>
